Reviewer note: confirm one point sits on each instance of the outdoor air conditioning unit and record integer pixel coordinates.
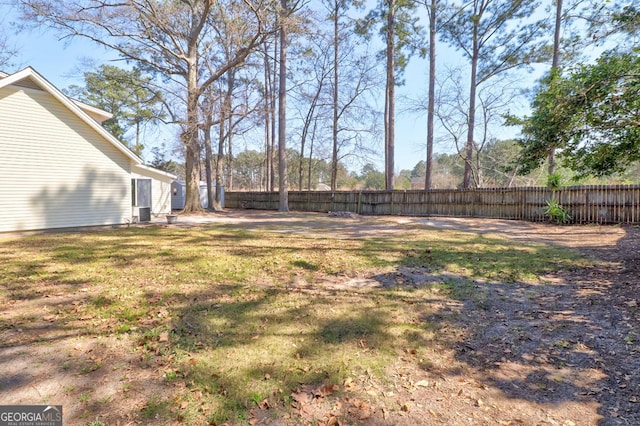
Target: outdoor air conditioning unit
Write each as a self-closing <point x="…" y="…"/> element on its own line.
<point x="144" y="214"/>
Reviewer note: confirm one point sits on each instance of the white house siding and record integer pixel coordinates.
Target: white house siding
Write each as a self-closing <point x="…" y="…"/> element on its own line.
<point x="160" y="189"/>
<point x="55" y="170"/>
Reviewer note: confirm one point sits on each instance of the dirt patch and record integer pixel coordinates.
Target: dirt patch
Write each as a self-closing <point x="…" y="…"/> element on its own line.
<point x="569" y="343"/>
<point x="564" y="351"/>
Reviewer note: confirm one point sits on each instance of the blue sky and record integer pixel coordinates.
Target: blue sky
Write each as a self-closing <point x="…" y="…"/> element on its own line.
<point x="59" y="61"/>
<point x="55" y="59"/>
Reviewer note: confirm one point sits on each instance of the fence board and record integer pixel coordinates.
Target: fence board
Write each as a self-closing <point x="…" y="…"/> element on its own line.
<point x="586" y="204"/>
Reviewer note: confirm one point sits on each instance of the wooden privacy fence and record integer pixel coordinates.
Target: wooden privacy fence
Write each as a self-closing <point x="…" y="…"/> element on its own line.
<point x="585" y="204"/>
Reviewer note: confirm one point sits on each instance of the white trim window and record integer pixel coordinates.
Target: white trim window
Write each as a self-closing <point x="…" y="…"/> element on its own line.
<point x="141" y="192"/>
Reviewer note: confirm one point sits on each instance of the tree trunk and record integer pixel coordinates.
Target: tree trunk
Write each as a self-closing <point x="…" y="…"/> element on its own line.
<point x="220" y="156"/>
<point x="229" y="181"/>
<point x="471" y="124"/>
<point x="305" y="131"/>
<point x="300" y="172"/>
<point x="190" y="133"/>
<point x="282" y="115"/>
<point x="208" y="159"/>
<point x="313" y="136"/>
<point x="432" y="95"/>
<point x="554" y="66"/>
<point x="552" y="161"/>
<point x="192" y="146"/>
<point x="223" y="135"/>
<point x="556" y="36"/>
<point x="334" y="125"/>
<point x="272" y="171"/>
<point x="267" y="117"/>
<point x="138" y="146"/>
<point x="390" y="97"/>
<point x="303" y="140"/>
<point x="192" y="174"/>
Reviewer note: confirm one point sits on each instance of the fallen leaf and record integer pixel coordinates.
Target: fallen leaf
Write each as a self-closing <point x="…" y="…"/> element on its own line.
<point x="325" y="390"/>
<point x="301" y="397"/>
<point x="164" y="337"/>
<point x="364" y="410"/>
<point x="184" y="405"/>
<point x="423" y="383"/>
<point x="364" y="415"/>
<point x="264" y="404"/>
<point x="332" y="421"/>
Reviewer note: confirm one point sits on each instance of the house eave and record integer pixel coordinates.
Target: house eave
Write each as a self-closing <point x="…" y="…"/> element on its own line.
<point x="148" y="169"/>
<point x="96" y="113"/>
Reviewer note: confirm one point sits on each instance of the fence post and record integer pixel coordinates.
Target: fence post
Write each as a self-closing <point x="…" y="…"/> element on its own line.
<point x="392" y="212"/>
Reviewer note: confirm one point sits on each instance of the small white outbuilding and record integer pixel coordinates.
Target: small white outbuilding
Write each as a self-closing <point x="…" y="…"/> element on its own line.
<point x="60" y="168"/>
<point x="178" y="194"/>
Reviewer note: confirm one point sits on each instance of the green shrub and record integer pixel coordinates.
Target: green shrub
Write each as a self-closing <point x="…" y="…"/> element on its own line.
<point x="554" y="181"/>
<point x="556" y="213"/>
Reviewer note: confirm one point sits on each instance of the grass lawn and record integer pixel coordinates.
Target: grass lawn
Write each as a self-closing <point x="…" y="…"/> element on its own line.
<point x="228" y="324"/>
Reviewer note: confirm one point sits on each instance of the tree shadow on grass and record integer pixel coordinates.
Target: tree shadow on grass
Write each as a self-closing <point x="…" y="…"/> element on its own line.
<point x="536" y="343"/>
<point x="569" y="339"/>
<point x="267" y="343"/>
<point x="219" y="351"/>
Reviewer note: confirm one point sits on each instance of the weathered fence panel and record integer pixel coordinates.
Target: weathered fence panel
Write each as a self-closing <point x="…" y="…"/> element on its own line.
<point x="586" y="204"/>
